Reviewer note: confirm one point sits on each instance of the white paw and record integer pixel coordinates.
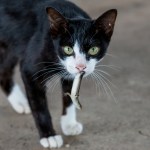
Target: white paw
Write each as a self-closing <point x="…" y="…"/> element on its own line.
<point x="52" y="142"/>
<point x="18" y="101"/>
<point x="75" y="128"/>
<point x="69" y="124"/>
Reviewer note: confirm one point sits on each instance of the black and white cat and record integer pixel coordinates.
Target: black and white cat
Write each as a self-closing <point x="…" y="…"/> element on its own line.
<point x="48" y="38"/>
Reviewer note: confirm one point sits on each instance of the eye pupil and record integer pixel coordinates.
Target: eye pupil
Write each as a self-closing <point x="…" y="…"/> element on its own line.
<point x="94" y="51"/>
<point x="68" y="50"/>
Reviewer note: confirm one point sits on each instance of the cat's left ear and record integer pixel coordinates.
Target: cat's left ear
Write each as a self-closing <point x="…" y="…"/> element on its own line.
<point x="106" y="22"/>
<point x="58" y="23"/>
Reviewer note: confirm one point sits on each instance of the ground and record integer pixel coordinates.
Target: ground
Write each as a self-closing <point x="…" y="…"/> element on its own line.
<point x="120" y="123"/>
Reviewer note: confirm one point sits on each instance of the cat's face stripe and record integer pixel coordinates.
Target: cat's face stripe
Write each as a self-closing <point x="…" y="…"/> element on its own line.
<point x="76" y="48"/>
<point x="80" y="61"/>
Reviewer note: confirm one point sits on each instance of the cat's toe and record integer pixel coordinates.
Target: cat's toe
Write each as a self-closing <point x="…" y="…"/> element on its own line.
<point x="27" y="109"/>
<point x="52" y="142"/>
<point x="18" y="108"/>
<point x="21" y="108"/>
<point x="75" y="128"/>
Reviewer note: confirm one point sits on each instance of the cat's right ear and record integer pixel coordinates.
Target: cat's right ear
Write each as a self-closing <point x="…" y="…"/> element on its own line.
<point x="105" y="23"/>
<point x="58" y="23"/>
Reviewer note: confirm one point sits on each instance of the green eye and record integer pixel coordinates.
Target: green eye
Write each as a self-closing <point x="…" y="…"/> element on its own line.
<point x="68" y="50"/>
<point x="93" y="51"/>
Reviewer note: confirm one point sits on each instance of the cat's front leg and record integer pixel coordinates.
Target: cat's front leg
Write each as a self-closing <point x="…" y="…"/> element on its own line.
<point x="69" y="123"/>
<point x="38" y="103"/>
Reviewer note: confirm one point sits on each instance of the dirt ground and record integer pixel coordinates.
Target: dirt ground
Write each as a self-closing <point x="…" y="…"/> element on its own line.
<point x="122" y="123"/>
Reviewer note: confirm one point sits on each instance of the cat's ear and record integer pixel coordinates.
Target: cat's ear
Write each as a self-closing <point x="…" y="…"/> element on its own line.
<point x="58" y="24"/>
<point x="106" y="22"/>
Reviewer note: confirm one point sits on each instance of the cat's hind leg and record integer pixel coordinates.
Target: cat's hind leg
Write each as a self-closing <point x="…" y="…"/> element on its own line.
<point x="69" y="123"/>
<point x="14" y="94"/>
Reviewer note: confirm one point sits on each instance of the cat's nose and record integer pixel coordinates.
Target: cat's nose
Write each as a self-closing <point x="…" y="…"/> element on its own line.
<point x="80" y="67"/>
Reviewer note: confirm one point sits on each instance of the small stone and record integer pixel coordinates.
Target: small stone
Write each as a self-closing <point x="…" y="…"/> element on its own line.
<point x="67" y="145"/>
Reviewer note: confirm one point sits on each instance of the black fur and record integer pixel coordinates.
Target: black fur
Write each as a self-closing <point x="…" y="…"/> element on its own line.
<point x="29" y="35"/>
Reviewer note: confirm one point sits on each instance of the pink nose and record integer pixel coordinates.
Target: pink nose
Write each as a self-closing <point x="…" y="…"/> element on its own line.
<point x="80" y="67"/>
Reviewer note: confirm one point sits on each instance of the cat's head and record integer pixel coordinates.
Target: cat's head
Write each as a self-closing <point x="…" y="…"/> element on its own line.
<point x="81" y="43"/>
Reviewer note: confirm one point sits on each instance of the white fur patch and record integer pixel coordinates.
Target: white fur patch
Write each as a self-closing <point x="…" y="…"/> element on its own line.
<point x="52" y="142"/>
<point x="18" y="101"/>
<point x="90" y="66"/>
<point x="77" y="52"/>
<point x="69" y="124"/>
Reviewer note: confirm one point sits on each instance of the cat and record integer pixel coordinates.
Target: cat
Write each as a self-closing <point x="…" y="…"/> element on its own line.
<point x="48" y="38"/>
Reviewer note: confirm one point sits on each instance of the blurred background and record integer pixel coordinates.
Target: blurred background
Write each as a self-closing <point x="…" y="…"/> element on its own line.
<point x="118" y="121"/>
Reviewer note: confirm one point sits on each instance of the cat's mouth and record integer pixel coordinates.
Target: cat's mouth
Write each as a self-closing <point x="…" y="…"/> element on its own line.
<point x="73" y="75"/>
<point x="75" y="72"/>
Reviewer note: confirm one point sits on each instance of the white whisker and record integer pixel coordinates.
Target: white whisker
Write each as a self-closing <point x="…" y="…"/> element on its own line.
<point x="102" y="71"/>
<point x="58" y="68"/>
<point x="109" y="66"/>
<point x="103" y="85"/>
<point x="111" y="55"/>
<point x="50" y="77"/>
<point x="109" y="89"/>
<point x="96" y="84"/>
<point x="107" y="80"/>
<point x="99" y="83"/>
